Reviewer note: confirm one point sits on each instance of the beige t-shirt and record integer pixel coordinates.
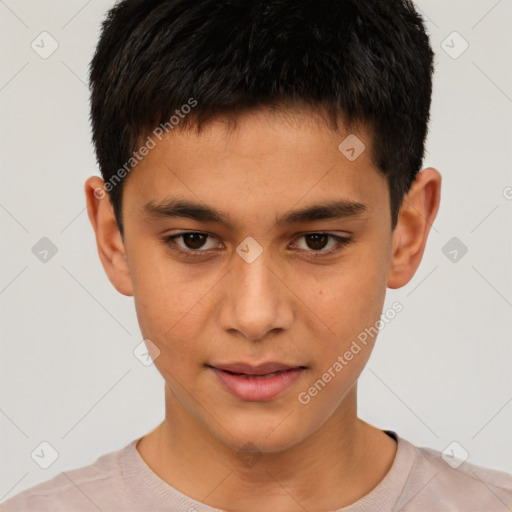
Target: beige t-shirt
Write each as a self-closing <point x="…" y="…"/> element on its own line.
<point x="419" y="480"/>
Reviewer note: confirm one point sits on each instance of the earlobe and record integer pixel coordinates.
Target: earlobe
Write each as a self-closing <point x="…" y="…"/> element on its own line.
<point x="418" y="212"/>
<point x="109" y="242"/>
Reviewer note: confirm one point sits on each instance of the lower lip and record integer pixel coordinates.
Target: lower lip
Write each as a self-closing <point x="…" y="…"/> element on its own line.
<point x="257" y="389"/>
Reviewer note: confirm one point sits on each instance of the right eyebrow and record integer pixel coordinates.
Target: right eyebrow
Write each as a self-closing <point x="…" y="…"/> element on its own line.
<point x="187" y="209"/>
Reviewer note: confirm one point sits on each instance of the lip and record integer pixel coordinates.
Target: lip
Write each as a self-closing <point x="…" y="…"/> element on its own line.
<point x="256" y="383"/>
<point x="260" y="369"/>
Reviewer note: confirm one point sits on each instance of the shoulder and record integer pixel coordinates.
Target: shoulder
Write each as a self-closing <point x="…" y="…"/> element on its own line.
<point x="438" y="482"/>
<point x="81" y="489"/>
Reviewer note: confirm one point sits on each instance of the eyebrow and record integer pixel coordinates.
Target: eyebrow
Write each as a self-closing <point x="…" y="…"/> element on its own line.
<point x="196" y="211"/>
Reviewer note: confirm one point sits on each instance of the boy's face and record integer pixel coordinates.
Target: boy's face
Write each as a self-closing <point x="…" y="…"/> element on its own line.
<point x="205" y="302"/>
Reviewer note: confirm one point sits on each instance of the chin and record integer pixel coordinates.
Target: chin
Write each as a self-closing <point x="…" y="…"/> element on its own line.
<point x="260" y="433"/>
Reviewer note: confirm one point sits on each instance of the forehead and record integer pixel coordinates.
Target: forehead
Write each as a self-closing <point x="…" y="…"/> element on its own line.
<point x="264" y="161"/>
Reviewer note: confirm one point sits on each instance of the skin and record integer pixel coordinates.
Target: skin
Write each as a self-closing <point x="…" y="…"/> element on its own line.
<point x="292" y="305"/>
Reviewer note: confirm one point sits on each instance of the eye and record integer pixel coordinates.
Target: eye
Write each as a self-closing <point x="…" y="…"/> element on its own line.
<point x="191" y="241"/>
<point x="317" y="242"/>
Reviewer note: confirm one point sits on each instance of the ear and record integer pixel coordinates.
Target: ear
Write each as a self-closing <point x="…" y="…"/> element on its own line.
<point x="108" y="237"/>
<point x="418" y="212"/>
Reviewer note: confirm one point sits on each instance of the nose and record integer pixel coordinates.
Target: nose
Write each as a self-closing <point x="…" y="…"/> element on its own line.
<point x="256" y="300"/>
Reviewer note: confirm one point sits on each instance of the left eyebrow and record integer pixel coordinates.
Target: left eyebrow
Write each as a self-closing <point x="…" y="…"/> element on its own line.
<point x="196" y="211"/>
<point x="332" y="210"/>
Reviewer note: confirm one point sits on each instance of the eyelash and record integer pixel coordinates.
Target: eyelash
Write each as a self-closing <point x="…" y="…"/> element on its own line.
<point x="340" y="240"/>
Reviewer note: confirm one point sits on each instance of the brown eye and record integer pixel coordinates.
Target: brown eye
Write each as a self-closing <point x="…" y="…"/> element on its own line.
<point x="321" y="244"/>
<point x="194" y="240"/>
<point x="317" y="241"/>
<point x="190" y="242"/>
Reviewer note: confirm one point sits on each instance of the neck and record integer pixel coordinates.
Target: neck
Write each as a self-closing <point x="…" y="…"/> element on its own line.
<point x="332" y="468"/>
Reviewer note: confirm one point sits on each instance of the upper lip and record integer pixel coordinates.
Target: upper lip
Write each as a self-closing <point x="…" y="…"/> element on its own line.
<point x="260" y="369"/>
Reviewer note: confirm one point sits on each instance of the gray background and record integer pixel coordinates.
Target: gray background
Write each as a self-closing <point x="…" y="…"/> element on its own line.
<point x="441" y="369"/>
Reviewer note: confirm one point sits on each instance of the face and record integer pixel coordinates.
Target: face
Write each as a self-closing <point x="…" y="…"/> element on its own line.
<point x="258" y="259"/>
<point x="263" y="271"/>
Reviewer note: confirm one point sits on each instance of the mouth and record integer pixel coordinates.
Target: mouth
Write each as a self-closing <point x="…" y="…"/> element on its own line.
<point x="256" y="383"/>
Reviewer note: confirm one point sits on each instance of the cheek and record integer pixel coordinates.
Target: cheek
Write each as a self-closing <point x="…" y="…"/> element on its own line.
<point x="353" y="297"/>
<point x="166" y="312"/>
<point x="324" y="393"/>
<point x="162" y="294"/>
<point x="350" y="303"/>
